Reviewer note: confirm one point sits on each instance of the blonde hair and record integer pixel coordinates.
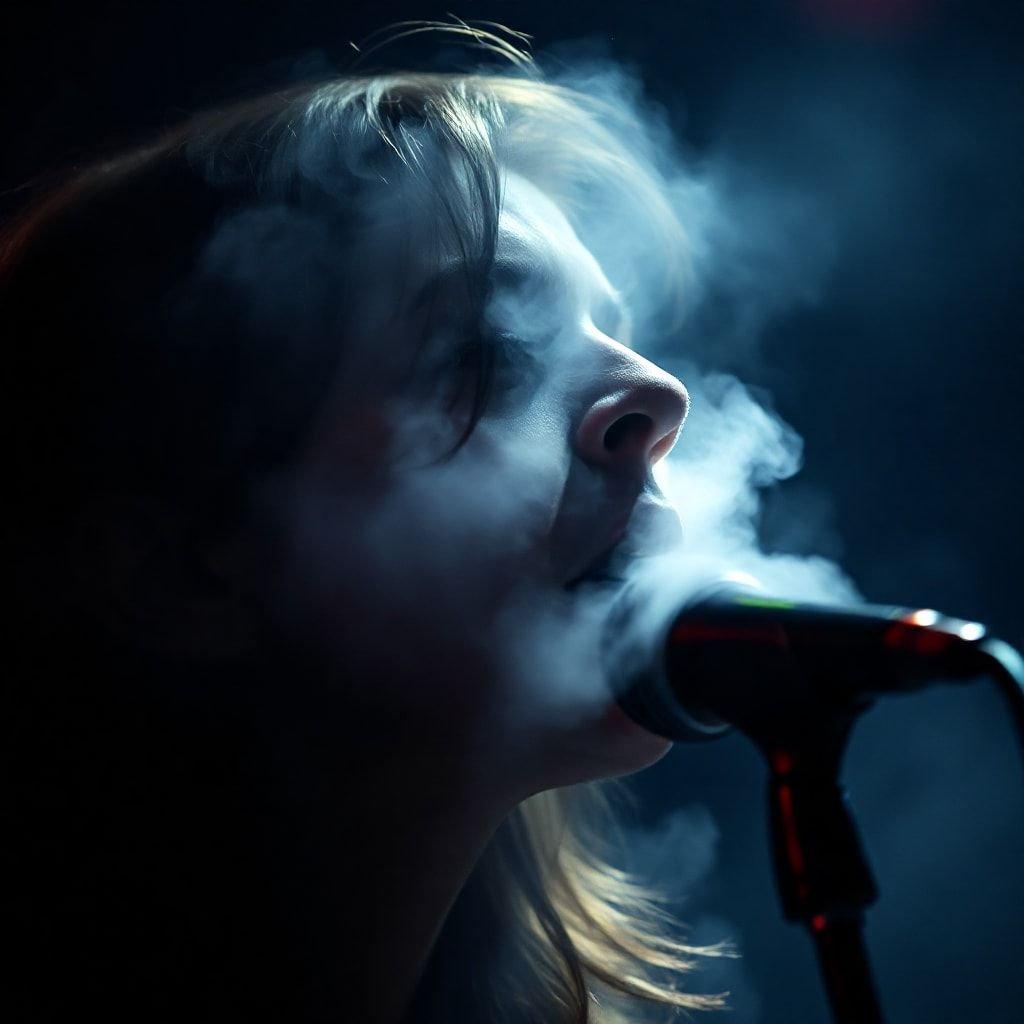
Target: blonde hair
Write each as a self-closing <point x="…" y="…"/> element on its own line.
<point x="582" y="940"/>
<point x="595" y="939"/>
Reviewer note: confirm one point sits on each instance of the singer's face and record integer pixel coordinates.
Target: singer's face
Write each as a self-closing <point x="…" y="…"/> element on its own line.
<point x="461" y="589"/>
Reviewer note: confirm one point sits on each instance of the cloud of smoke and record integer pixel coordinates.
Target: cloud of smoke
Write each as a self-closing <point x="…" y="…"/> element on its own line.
<point x="681" y="847"/>
<point x="757" y="249"/>
<point x="735" y="448"/>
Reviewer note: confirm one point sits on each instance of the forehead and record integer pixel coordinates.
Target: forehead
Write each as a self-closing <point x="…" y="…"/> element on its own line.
<point x="536" y="242"/>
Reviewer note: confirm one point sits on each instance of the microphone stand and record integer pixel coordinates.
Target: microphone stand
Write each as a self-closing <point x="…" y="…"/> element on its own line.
<point x="823" y="876"/>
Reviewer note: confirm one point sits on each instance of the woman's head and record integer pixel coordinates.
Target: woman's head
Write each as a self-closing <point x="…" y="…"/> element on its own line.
<point x="360" y="318"/>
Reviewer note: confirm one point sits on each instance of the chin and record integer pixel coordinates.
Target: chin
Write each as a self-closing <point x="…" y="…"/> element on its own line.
<point x="628" y="746"/>
<point x="611" y="746"/>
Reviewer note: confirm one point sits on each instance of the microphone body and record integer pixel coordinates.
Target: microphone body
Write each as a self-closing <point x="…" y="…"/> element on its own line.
<point x="738" y="658"/>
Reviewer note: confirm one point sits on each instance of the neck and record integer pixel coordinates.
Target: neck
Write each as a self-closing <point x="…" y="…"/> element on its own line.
<point x="383" y="850"/>
<point x="285" y="870"/>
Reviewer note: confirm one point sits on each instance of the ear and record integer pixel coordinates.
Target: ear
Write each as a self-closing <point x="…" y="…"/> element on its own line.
<point x="149" y="577"/>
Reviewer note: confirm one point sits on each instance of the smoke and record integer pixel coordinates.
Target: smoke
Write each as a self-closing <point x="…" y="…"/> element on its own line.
<point x="678" y="852"/>
<point x="757" y="249"/>
<point x="735" y="449"/>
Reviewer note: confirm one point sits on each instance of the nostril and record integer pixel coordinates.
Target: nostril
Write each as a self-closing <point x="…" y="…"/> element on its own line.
<point x="630" y="431"/>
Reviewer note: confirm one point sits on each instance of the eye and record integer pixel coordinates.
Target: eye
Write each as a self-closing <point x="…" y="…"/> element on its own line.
<point x="513" y="360"/>
<point x="507" y="345"/>
<point x="502" y="361"/>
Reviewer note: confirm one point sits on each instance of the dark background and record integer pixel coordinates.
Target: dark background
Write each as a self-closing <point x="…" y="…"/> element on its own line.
<point x="901" y="119"/>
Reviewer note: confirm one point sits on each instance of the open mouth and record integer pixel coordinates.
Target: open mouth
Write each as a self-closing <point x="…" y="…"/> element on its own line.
<point x="653" y="530"/>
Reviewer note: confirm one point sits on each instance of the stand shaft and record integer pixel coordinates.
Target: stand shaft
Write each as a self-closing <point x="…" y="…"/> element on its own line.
<point x="843" y="957"/>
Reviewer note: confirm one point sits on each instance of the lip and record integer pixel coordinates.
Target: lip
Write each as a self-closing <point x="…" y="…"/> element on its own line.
<point x="651" y="528"/>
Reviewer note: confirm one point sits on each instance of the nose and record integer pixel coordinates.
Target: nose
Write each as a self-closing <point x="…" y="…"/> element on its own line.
<point x="636" y="417"/>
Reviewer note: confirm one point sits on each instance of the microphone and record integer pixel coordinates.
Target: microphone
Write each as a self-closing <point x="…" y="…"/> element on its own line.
<point x="734" y="656"/>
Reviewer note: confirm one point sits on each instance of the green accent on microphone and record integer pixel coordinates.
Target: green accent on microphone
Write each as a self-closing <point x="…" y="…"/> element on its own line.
<point x="764" y="602"/>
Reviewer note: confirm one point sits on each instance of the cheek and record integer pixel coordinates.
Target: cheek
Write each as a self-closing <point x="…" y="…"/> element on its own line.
<point x="430" y="593"/>
<point x="404" y="574"/>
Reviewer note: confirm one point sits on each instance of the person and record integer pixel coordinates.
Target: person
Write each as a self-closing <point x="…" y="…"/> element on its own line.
<point x="323" y="419"/>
